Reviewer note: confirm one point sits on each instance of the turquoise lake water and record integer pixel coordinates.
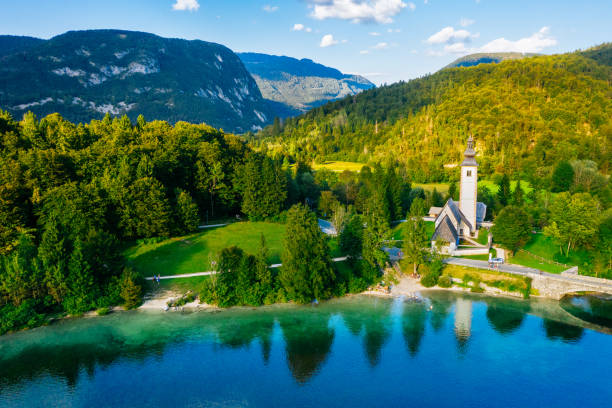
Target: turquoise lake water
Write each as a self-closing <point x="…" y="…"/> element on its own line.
<point x="449" y="350"/>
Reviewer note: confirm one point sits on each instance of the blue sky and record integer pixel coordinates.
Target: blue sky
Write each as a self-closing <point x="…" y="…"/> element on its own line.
<point x="384" y="40"/>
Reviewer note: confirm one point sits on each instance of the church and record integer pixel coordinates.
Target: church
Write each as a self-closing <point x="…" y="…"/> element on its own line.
<point x="457" y="220"/>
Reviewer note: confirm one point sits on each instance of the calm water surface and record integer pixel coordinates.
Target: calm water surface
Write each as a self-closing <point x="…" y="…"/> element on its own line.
<point x="450" y="350"/>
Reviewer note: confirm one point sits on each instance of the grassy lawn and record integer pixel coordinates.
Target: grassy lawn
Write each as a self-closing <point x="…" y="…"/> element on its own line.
<point x="544" y="247"/>
<point x="179" y="285"/>
<point x="339" y="166"/>
<point x="441" y="187"/>
<point x="493" y="188"/>
<point x="483" y="236"/>
<point x="192" y="253"/>
<point x="398" y="230"/>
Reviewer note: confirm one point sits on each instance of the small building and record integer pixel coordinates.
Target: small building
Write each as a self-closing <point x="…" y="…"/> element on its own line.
<point x="461" y="219"/>
<point x="435" y="211"/>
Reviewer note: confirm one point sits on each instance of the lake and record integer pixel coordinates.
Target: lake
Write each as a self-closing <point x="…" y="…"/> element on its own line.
<point x="450" y="350"/>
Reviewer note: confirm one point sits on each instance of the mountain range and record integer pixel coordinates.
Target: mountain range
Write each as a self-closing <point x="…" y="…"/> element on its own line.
<point x="86" y="74"/>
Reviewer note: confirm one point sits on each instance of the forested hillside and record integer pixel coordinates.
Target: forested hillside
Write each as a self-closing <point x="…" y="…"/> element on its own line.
<point x="486" y="58"/>
<point x="526" y="115"/>
<point x="86" y="74"/>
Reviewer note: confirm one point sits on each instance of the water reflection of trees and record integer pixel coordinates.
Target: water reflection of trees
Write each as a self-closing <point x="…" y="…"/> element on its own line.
<point x="373" y="321"/>
<point x="308" y="341"/>
<point x="239" y="333"/>
<point x="505" y="315"/>
<point x="414" y="318"/>
<point x="561" y="331"/>
<point x="441" y="305"/>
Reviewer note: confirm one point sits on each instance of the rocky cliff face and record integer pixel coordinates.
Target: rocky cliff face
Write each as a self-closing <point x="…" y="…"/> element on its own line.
<point x="86" y="74"/>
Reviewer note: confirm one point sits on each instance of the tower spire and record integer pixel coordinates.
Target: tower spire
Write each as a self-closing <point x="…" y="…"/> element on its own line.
<point x="469" y="154"/>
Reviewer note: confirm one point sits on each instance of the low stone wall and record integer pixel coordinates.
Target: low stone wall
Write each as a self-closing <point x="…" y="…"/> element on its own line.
<point x="475" y="251"/>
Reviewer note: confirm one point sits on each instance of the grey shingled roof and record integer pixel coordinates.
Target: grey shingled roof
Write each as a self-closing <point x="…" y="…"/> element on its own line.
<point x="457" y="213"/>
<point x="481" y="211"/>
<point x="446" y="231"/>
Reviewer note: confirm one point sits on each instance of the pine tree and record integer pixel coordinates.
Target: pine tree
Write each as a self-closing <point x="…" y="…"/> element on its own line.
<point x="503" y="194"/>
<point x="351" y="238"/>
<point x="187" y="215"/>
<point x="415" y="239"/>
<point x="375" y="232"/>
<point x="562" y="177"/>
<point x="518" y="196"/>
<point x="265" y="280"/>
<point x="130" y="289"/>
<point x="307" y="272"/>
<point x="53" y="253"/>
<point x="79" y="298"/>
<point x="452" y="191"/>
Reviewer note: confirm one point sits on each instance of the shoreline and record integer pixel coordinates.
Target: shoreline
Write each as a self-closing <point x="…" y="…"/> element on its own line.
<point x="407" y="287"/>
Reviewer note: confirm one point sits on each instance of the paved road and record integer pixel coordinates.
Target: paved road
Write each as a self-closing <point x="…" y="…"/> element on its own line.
<point x="522" y="270"/>
<point x="191" y="275"/>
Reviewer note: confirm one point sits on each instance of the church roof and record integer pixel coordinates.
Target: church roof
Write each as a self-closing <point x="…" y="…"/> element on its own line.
<point x="446" y="231"/>
<point x="481" y="211"/>
<point x="469" y="154"/>
<point x="458" y="214"/>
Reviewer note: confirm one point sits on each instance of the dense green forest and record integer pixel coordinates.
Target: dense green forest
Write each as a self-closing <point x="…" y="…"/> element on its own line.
<point x="526" y="115"/>
<point x="72" y="196"/>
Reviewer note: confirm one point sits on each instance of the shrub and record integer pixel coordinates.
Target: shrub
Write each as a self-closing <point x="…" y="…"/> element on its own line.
<point x="445" y="281"/>
<point x="131" y="291"/>
<point x="430" y="279"/>
<point x="14" y="318"/>
<point x="103" y="311"/>
<point x="476" y="288"/>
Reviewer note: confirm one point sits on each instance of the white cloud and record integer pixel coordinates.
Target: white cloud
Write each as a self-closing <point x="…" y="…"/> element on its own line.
<point x="381" y="46"/>
<point x="181" y="5"/>
<point x="328" y="40"/>
<point x="301" y="27"/>
<point x="535" y="43"/>
<point x="466" y="22"/>
<point x="412" y="6"/>
<point x="269" y="9"/>
<point x="374" y="34"/>
<point x="363" y="52"/>
<point x="396" y="30"/>
<point x="449" y="35"/>
<point x="358" y="11"/>
<point x="457" y="48"/>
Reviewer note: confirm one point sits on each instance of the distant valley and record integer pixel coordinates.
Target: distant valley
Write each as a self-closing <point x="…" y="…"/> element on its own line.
<point x="301" y="84"/>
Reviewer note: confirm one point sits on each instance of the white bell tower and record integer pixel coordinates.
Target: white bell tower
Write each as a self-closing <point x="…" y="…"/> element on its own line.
<point x="468" y="191"/>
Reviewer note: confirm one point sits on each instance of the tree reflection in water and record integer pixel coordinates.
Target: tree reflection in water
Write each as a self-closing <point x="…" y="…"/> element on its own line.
<point x="414" y="318"/>
<point x="374" y="323"/>
<point x="505" y="315"/>
<point x="561" y="331"/>
<point x="308" y="341"/>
